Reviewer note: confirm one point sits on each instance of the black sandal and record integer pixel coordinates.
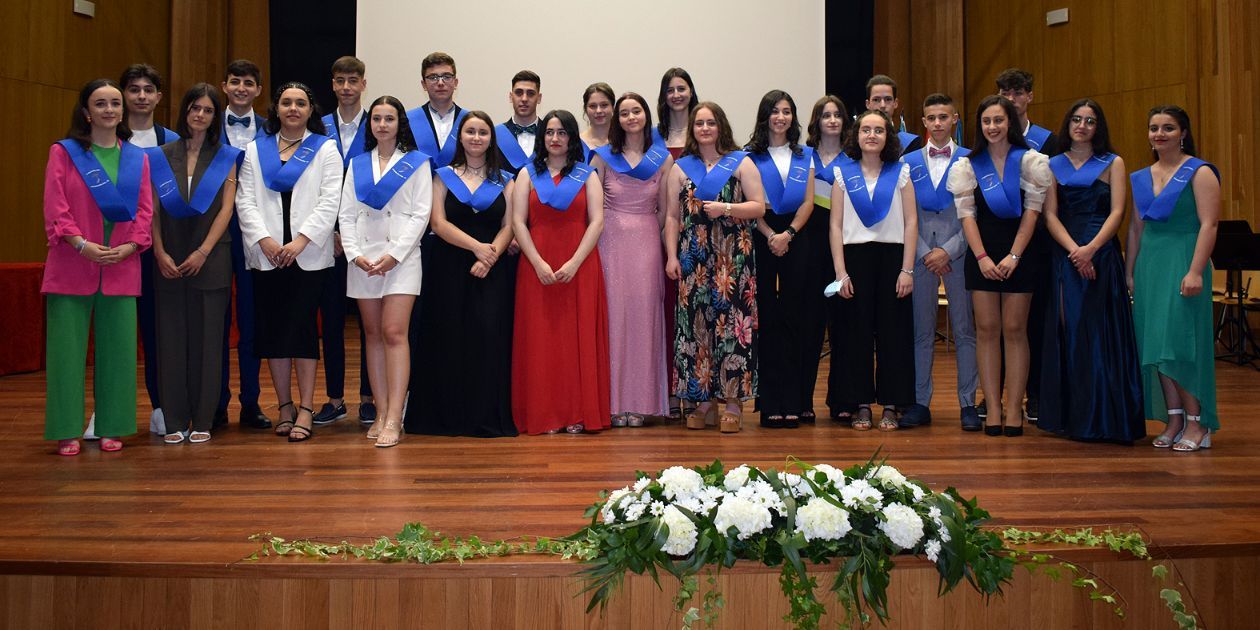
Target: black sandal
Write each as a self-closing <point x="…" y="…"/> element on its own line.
<point x="307" y="432"/>
<point x="284" y="427"/>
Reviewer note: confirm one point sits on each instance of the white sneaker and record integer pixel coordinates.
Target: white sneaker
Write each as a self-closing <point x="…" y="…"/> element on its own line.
<point x="90" y="433"/>
<point x="157" y="422"/>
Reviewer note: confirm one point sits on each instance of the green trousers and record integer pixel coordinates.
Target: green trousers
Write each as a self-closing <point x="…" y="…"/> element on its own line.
<point x="114" y="319"/>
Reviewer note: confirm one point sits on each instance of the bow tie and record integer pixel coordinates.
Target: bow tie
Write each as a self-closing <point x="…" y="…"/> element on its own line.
<point x="934" y="152"/>
<point x="243" y="121"/>
<point x="517" y="130"/>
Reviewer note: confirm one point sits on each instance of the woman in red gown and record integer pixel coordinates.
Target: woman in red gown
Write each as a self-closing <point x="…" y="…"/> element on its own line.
<point x="560" y="369"/>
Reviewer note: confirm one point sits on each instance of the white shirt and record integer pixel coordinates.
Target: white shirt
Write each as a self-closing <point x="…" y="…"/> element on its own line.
<point x="442" y="123"/>
<point x="782" y="157"/>
<point x="239" y="136"/>
<point x="347" y="130"/>
<point x="891" y="229"/>
<point x="938" y="164"/>
<point x="144" y="138"/>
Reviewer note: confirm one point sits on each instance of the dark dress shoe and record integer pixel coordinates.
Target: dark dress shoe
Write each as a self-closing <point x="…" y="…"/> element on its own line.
<point x="993" y="430"/>
<point x="971" y="419"/>
<point x="330" y="413"/>
<point x="915" y="416"/>
<point x="220" y="419"/>
<point x="1012" y="431"/>
<point x="367" y="413"/>
<point x="254" y="418"/>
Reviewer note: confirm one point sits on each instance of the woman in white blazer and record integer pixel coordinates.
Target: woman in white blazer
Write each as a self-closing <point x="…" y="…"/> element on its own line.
<point x="286" y="202"/>
<point x="385" y="205"/>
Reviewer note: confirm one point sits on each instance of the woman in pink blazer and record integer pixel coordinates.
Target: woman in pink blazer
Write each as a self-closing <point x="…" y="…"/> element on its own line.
<point x="98" y="206"/>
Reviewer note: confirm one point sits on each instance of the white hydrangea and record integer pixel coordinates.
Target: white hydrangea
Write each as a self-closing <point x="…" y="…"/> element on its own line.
<point x="862" y="495"/>
<point x="889" y="476"/>
<point x="682" y="532"/>
<point x="607" y="512"/>
<point x="736" y="477"/>
<point x="916" y="492"/>
<point x="820" y="520"/>
<point x="744" y="515"/>
<point x="902" y="525"/>
<point x="834" y="475"/>
<point x="642" y="483"/>
<point x="932" y="549"/>
<point x="763" y="494"/>
<point x="678" y="482"/>
<point x="796" y="485"/>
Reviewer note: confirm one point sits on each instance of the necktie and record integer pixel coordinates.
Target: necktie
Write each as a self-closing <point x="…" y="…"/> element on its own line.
<point x="243" y="121"/>
<point x="934" y="152"/>
<point x="517" y="130"/>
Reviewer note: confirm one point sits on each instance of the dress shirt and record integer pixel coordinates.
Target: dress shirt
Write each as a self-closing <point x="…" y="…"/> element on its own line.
<point x="239" y="136"/>
<point x="347" y="130"/>
<point x="442" y="123"/>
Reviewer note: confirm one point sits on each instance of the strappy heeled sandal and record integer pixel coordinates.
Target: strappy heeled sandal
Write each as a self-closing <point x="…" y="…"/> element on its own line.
<point x="862" y="420"/>
<point x="889" y="419"/>
<point x="697" y="419"/>
<point x="732" y="421"/>
<point x="283" y="426"/>
<point x="1163" y="440"/>
<point x="386" y="439"/>
<point x="306" y="432"/>
<point x="1187" y="445"/>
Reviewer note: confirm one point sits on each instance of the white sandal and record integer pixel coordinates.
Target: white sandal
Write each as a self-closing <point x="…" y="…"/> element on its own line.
<point x="1162" y="442"/>
<point x="1186" y="445"/>
<point x="175" y="437"/>
<point x="198" y="437"/>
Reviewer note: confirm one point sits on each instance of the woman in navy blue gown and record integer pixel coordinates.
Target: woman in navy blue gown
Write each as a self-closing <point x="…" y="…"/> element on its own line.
<point x="1090" y="385"/>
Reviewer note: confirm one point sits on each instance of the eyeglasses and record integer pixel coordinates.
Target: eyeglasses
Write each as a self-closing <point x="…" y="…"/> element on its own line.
<point x="445" y="77"/>
<point x="872" y="131"/>
<point x="1089" y="121"/>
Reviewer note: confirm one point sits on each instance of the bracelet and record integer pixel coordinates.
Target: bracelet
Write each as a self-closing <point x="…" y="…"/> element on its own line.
<point x="1014" y="255"/>
<point x="908" y="272"/>
<point x="203" y="254"/>
<point x="727" y="210"/>
<point x="981" y="256"/>
<point x="790" y="231"/>
<point x="82" y="244"/>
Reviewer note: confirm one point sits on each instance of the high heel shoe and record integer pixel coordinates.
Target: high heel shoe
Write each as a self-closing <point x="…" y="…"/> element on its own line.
<point x="391" y="435"/>
<point x="300" y="433"/>
<point x="1162" y="441"/>
<point x="993" y="430"/>
<point x="699" y="420"/>
<point x="732" y="421"/>
<point x="1186" y="445"/>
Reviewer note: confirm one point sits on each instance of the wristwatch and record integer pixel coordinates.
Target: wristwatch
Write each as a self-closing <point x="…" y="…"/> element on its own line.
<point x="790" y="231"/>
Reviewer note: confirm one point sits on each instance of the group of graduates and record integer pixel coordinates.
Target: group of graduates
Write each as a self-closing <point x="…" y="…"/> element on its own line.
<point x="528" y="277"/>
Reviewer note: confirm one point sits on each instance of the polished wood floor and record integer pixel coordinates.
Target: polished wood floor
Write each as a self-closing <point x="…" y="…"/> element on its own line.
<point x="193" y="506"/>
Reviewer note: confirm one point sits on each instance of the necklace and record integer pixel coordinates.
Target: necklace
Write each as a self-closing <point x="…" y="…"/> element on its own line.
<point x="288" y="139"/>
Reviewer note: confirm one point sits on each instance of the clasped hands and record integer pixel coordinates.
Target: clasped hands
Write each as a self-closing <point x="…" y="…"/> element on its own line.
<point x="102" y="255"/>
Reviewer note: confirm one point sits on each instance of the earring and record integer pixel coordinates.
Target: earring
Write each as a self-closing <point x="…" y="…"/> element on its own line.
<point x="1183" y="143"/>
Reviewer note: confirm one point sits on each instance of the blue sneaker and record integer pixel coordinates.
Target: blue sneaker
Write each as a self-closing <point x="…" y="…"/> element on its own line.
<point x="971" y="419"/>
<point x="329" y="414"/>
<point x="367" y="413"/>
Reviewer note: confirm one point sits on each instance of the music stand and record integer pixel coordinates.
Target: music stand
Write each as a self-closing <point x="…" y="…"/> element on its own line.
<point x="1237" y="250"/>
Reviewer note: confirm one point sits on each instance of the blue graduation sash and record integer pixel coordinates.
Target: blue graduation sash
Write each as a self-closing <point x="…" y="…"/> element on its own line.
<point x="1002" y="196"/>
<point x="826" y="173"/>
<point x="1158" y="208"/>
<point x="871" y="207"/>
<point x="657" y="137"/>
<point x="1069" y="175"/>
<point x="164" y="135"/>
<point x="1036" y="136"/>
<point x="652" y="160"/>
<point x="208" y="186"/>
<point x="509" y="147"/>
<point x="117" y="201"/>
<point x="587" y="152"/>
<point x="375" y="194"/>
<point x="931" y="199"/>
<point x="559" y="196"/>
<point x="427" y="142"/>
<point x="709" y="184"/>
<point x="281" y="178"/>
<point x="906" y="139"/>
<point x="333" y="130"/>
<point x="784" y="198"/>
<point x="482" y="198"/>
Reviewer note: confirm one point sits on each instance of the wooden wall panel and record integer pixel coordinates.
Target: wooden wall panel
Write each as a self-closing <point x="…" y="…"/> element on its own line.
<point x="920" y="45"/>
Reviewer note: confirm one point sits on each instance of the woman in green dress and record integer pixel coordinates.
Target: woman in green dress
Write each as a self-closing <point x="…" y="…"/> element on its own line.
<point x="1170" y="240"/>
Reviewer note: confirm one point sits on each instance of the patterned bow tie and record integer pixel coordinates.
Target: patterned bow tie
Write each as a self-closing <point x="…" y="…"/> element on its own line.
<point x="520" y="129"/>
<point x="243" y="121"/>
<point x="934" y="152"/>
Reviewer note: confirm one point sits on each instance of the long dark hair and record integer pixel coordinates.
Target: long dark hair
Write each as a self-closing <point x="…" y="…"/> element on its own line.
<point x="80" y="129"/>
<point x="617" y="135"/>
<point x="759" y="141"/>
<point x="892" y="144"/>
<point x="813" y="132"/>
<point x="193" y="95"/>
<point x="572" y="156"/>
<point x="1183" y="120"/>
<point x="725" y="139"/>
<point x="492" y="153"/>
<point x="662" y="104"/>
<point x="1014" y="134"/>
<point x="405" y="140"/>
<point x="313" y="124"/>
<point x="1101" y="142"/>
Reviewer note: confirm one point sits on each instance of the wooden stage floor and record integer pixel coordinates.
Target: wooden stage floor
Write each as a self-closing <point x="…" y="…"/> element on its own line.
<point x="153" y="509"/>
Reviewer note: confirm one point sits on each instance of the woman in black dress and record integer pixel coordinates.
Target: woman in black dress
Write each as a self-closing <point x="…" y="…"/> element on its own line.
<point x="999" y="190"/>
<point x="461" y="371"/>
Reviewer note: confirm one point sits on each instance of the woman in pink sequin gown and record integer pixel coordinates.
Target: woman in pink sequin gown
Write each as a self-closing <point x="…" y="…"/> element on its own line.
<point x="631" y="169"/>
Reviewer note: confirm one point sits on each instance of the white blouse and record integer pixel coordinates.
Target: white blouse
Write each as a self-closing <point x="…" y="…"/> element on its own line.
<point x="891" y="229"/>
<point x="1034" y="179"/>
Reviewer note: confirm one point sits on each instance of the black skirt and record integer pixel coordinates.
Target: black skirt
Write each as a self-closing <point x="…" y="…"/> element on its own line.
<point x="286" y="304"/>
<point x="998" y="235"/>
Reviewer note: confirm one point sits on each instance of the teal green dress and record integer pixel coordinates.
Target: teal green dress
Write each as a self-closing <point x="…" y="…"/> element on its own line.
<point x="1174" y="333"/>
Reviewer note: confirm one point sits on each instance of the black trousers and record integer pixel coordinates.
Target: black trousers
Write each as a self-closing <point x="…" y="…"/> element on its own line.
<point x="782" y="312"/>
<point x="872" y="335"/>
<point x="818" y="309"/>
